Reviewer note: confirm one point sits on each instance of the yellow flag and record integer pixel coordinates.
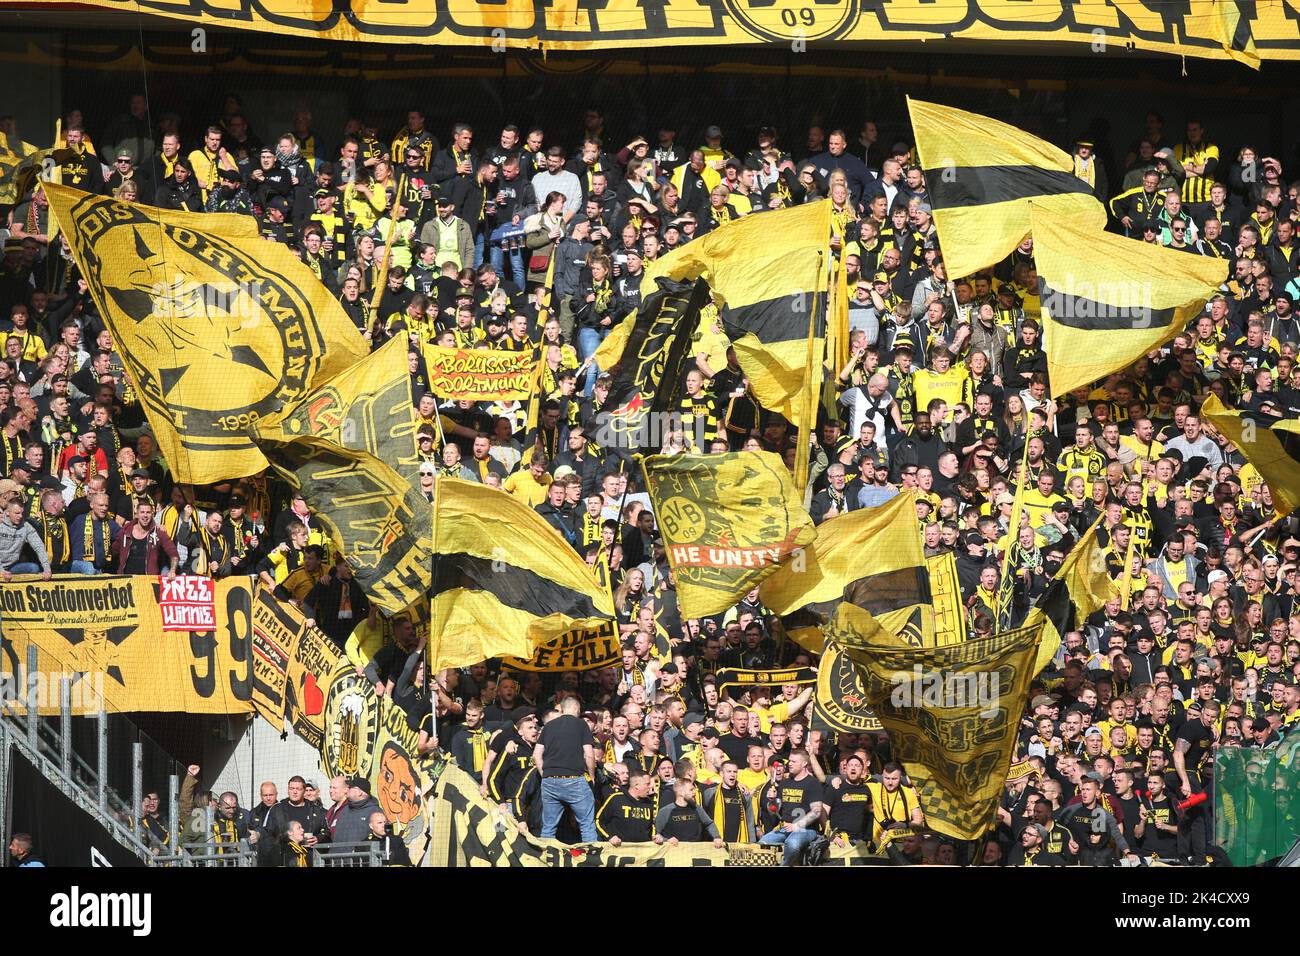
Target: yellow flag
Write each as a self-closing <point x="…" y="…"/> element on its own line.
<point x="953" y="713"/>
<point x="218" y="327"/>
<point x="1108" y="300"/>
<point x="1080" y="588"/>
<point x="504" y="581"/>
<point x="366" y="408"/>
<point x="980" y="173"/>
<point x="1271" y="444"/>
<point x="727" y="520"/>
<point x="768" y="291"/>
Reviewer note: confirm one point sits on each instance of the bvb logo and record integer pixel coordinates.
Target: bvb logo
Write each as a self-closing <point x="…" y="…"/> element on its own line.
<point x="229" y="338"/>
<point x="780" y="21"/>
<point x="352" y="724"/>
<point x="684" y="520"/>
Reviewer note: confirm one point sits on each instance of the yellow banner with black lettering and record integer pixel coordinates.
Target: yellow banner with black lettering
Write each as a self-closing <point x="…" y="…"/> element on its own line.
<point x="1205" y="28"/>
<point x="952" y="713"/>
<point x="217" y="327"/>
<point x="581" y="649"/>
<point x="292" y="665"/>
<point x="469" y="830"/>
<point x="105" y="634"/>
<point x="480" y="375"/>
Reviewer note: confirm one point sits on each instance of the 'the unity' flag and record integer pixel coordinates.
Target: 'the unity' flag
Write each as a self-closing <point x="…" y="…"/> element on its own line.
<point x="953" y="714"/>
<point x="1108" y="300"/>
<point x="727" y="520"/>
<point x="504" y="582"/>
<point x="650" y="374"/>
<point x="979" y="173"/>
<point x="218" y="327"/>
<point x="380" y="524"/>
<point x="366" y="408"/>
<point x="1271" y="444"/>
<point x="771" y="292"/>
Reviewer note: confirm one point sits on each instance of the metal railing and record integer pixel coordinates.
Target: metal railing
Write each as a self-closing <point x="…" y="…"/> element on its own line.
<point x="210" y="855"/>
<point x="347" y="855"/>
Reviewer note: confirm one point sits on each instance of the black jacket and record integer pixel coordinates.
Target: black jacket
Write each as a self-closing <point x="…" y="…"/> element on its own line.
<point x="560" y="520"/>
<point x="180" y="196"/>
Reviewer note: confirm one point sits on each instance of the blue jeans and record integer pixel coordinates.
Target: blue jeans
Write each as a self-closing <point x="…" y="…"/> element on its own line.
<point x="589" y="340"/>
<point x="498" y="258"/>
<point x="480" y="245"/>
<point x="25" y="567"/>
<point x="571" y="792"/>
<point x="794" y="842"/>
<point x="83" y="567"/>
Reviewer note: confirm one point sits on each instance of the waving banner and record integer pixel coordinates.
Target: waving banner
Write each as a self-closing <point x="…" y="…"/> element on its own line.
<point x="292" y="664"/>
<point x="1218" y="30"/>
<point x="582" y="649"/>
<point x="218" y="328"/>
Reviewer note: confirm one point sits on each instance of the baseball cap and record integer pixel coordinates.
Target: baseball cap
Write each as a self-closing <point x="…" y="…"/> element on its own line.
<point x="1215" y="576"/>
<point x="1093" y="731"/>
<point x="230" y="175"/>
<point x="880" y="277"/>
<point x="713" y="132"/>
<point x="1042" y="700"/>
<point x="141" y="473"/>
<point x="1005" y="499"/>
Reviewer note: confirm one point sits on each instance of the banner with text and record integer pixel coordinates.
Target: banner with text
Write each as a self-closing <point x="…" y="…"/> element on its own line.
<point x="188" y="603"/>
<point x="480" y="374"/>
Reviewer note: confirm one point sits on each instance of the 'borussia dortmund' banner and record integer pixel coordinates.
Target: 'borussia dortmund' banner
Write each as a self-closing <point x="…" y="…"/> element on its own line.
<point x="1217" y="30"/>
<point x="952" y="713"/>
<point x="218" y="327"/>
<point x="105" y="633"/>
<point x="727" y="520"/>
<point x="481" y="375"/>
<point x="382" y="525"/>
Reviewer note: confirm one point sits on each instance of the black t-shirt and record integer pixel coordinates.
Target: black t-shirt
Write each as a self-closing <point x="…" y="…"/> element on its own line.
<point x="1155" y="840"/>
<point x="798" y="796"/>
<point x="563" y="740"/>
<point x="684" y="823"/>
<point x="629" y="819"/>
<point x="736" y="748"/>
<point x="1131" y="819"/>
<point x="850" y="809"/>
<point x="1200" y="740"/>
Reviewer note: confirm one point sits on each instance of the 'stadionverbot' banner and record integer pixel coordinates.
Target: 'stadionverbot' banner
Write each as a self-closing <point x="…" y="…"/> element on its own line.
<point x="106" y="634"/>
<point x="1266" y="28"/>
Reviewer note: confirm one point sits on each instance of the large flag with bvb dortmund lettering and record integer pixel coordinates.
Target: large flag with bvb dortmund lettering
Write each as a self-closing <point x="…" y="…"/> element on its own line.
<point x="769" y="271"/>
<point x="651" y="371"/>
<point x="503" y="580"/>
<point x="1108" y="300"/>
<point x="218" y="327"/>
<point x="980" y="172"/>
<point x="376" y="519"/>
<point x="1271" y="444"/>
<point x="952" y="713"/>
<point x="727" y="521"/>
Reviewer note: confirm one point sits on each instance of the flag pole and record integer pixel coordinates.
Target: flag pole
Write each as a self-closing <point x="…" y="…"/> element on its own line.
<point x="1013" y="536"/>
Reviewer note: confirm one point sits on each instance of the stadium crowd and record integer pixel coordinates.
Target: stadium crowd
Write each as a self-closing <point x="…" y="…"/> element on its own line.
<point x="946" y="384"/>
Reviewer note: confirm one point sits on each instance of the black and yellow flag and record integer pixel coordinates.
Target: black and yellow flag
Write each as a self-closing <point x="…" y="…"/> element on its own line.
<point x="1108" y="300"/>
<point x="365" y="408"/>
<point x="1080" y="588"/>
<point x="952" y="713"/>
<point x="650" y="375"/>
<point x="771" y="293"/>
<point x="896" y="588"/>
<point x="1271" y="445"/>
<point x="218" y="327"/>
<point x="504" y="582"/>
<point x="980" y="172"/>
<point x="727" y="521"/>
<point x="376" y="519"/>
